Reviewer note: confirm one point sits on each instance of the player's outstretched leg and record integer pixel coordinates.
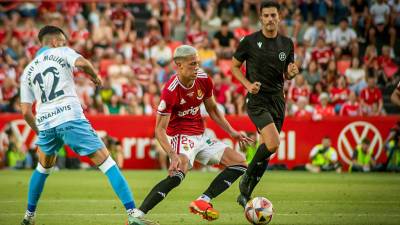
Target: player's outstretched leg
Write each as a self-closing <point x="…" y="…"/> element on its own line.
<point x="235" y="167"/>
<point x="36" y="185"/>
<point x="253" y="174"/>
<point x="121" y="188"/>
<point x="159" y="192"/>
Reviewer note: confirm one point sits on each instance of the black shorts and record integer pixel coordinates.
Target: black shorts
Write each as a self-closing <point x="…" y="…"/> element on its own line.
<point x="264" y="109"/>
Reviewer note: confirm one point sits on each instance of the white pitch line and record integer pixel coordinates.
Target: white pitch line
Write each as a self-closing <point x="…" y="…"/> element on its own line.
<point x="299" y="201"/>
<point x="188" y="214"/>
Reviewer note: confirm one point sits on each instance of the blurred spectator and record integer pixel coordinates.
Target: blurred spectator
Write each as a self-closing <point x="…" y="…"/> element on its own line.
<point x="387" y="64"/>
<point x="143" y="71"/>
<point x="119" y="72"/>
<point x="323" y="109"/>
<point x="371" y="97"/>
<point x="243" y="30"/>
<point x="102" y="36"/>
<point x="106" y="91"/>
<point x="317" y="31"/>
<point x="290" y="17"/>
<point x="362" y="160"/>
<point x="133" y="106"/>
<point x="323" y="158"/>
<point x="352" y="107"/>
<point x="203" y="9"/>
<point x="16" y="158"/>
<point x="224" y="42"/>
<point x="160" y="53"/>
<point x="359" y="16"/>
<point x="114" y="107"/>
<point x="392" y="145"/>
<point x="356" y="76"/>
<point x="344" y="39"/>
<point x="312" y="75"/>
<point x="302" y="109"/>
<point x="196" y="34"/>
<point x="132" y="88"/>
<point x="122" y="20"/>
<point x="207" y="56"/>
<point x="339" y="94"/>
<point x="321" y="53"/>
<point x="381" y="32"/>
<point x="247" y="6"/>
<point x="299" y="88"/>
<point x="316" y="92"/>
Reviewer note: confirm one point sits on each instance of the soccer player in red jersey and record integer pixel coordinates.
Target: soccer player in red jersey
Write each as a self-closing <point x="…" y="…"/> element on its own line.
<point x="180" y="131"/>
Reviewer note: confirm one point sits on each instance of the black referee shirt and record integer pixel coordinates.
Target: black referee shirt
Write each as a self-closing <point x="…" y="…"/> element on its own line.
<point x="266" y="59"/>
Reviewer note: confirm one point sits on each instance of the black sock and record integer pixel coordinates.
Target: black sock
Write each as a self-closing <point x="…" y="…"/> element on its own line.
<point x="256" y="170"/>
<point x="160" y="191"/>
<point x="224" y="180"/>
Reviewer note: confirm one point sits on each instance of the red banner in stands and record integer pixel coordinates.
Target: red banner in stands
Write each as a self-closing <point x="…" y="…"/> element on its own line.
<point x="297" y="138"/>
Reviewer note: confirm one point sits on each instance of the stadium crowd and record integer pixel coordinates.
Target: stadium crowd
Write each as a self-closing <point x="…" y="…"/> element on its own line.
<point x="348" y="51"/>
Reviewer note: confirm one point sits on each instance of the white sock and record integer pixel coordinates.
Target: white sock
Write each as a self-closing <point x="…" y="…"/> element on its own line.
<point x="135" y="212"/>
<point x="204" y="198"/>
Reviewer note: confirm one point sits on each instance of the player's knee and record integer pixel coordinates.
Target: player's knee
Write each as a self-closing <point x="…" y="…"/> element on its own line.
<point x="44" y="170"/>
<point x="273" y="146"/>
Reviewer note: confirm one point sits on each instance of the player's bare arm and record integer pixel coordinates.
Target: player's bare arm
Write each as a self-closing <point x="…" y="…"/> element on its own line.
<point x="253" y="88"/>
<point x="84" y="65"/>
<point x="161" y="135"/>
<point x="396" y="97"/>
<point x="216" y="115"/>
<point x="26" y="109"/>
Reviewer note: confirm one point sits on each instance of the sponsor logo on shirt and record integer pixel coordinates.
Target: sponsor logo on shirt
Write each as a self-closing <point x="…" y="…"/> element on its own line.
<point x="193" y="111"/>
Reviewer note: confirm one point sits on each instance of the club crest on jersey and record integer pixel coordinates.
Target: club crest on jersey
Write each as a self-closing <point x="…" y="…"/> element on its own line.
<point x="182" y="101"/>
<point x="282" y="56"/>
<point x="200" y="94"/>
<point x="259" y="44"/>
<point x="162" y="106"/>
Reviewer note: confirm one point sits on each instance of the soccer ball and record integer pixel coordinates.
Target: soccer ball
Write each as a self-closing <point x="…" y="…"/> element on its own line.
<point x="259" y="211"/>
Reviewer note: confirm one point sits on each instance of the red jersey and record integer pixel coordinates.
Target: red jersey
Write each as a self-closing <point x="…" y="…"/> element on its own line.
<point x="321" y="56"/>
<point x="349" y="109"/>
<point x="295" y="92"/>
<point x="184" y="104"/>
<point x="327" y="111"/>
<point x="341" y="93"/>
<point x="371" y="95"/>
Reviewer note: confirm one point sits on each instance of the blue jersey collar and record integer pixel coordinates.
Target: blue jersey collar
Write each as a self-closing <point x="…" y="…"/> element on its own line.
<point x="42" y="49"/>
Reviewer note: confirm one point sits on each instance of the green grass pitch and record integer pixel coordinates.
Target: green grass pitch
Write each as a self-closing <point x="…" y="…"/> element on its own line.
<point x="85" y="198"/>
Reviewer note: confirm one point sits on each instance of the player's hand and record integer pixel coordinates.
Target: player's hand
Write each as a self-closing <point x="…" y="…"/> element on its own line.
<point x="242" y="138"/>
<point x="97" y="81"/>
<point x="174" y="165"/>
<point x="293" y="70"/>
<point x="254" y="87"/>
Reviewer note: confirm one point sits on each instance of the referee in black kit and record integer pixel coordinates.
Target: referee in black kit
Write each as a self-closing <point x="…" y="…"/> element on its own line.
<point x="269" y="60"/>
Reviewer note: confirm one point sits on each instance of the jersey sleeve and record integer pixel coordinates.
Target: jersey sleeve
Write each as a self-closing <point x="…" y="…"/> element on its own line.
<point x="241" y="51"/>
<point x="167" y="102"/>
<point x="290" y="58"/>
<point x="26" y="95"/>
<point x="70" y="55"/>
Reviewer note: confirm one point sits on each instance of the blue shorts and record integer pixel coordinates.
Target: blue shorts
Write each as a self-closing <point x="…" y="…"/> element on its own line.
<point x="77" y="134"/>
